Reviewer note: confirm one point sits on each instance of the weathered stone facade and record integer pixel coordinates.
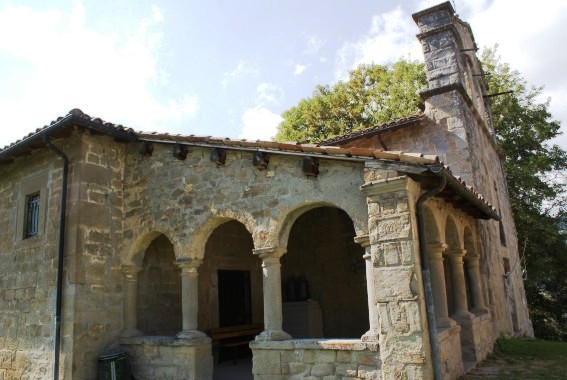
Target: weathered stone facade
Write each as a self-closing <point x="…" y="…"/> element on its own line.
<point x="158" y="225"/>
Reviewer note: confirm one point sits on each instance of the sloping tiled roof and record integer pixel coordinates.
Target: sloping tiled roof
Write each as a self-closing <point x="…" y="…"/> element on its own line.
<point x="405" y="122"/>
<point x="414" y="163"/>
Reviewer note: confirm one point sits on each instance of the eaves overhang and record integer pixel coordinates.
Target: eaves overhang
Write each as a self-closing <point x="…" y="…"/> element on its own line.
<point x="61" y="127"/>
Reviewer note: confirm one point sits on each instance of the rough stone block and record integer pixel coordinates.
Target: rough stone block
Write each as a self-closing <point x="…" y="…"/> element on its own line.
<point x="325" y="356"/>
<point x="346" y="369"/>
<point x="344" y="356"/>
<point x="393" y="283"/>
<point x="298" y="368"/>
<point x="369" y="372"/>
<point x="323" y="369"/>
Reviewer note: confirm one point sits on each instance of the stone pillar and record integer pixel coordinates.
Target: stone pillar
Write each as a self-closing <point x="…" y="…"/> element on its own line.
<point x="130" y="273"/>
<point x="372" y="334"/>
<point x="458" y="281"/>
<point x="271" y="271"/>
<point x="396" y="279"/>
<point x="189" y="298"/>
<point x="436" y="268"/>
<point x="473" y="271"/>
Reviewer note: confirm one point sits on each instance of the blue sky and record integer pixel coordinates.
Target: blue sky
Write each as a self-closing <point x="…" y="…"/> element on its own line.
<point x="230" y="68"/>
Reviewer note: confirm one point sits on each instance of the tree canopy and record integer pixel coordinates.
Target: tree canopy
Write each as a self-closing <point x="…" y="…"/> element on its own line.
<point x="373" y="94"/>
<point x="535" y="170"/>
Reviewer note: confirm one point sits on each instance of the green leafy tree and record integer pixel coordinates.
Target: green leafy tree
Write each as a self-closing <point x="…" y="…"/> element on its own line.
<point x="535" y="173"/>
<point x="373" y="94"/>
<point x="535" y="170"/>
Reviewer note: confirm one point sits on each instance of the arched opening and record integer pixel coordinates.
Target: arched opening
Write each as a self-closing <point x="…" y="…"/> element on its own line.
<point x="230" y="279"/>
<point x="323" y="273"/>
<point x="159" y="290"/>
<point x="453" y="242"/>
<point x="469" y="247"/>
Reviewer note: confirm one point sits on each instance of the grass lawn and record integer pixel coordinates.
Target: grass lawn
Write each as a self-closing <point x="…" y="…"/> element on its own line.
<point x="523" y="359"/>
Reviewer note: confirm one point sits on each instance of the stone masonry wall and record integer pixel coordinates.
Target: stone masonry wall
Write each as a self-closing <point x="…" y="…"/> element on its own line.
<point x="28" y="270"/>
<point x="186" y="200"/>
<point x="94" y="246"/>
<point x="312" y="360"/>
<point x="404" y="342"/>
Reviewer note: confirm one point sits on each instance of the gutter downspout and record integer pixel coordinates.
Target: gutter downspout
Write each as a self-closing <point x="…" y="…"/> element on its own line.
<point x="61" y="250"/>
<point x="435" y="354"/>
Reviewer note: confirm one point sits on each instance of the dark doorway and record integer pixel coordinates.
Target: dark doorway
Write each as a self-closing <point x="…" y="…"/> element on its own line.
<point x="235" y="305"/>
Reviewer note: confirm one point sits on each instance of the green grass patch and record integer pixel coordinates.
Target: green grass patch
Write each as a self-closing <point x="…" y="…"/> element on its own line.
<point x="524" y="359"/>
<point x="531" y="349"/>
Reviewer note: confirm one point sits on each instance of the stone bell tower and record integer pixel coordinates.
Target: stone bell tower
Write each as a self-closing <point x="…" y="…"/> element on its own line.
<point x="455" y="98"/>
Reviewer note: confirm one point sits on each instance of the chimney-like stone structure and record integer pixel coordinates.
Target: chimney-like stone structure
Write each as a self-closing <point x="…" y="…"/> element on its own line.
<point x="450" y="59"/>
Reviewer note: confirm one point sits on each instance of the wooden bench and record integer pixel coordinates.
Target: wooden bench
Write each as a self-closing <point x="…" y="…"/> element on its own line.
<point x="233" y="336"/>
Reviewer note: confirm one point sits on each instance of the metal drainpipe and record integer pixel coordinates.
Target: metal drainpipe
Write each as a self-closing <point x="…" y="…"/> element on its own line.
<point x="435" y="354"/>
<point x="59" y="288"/>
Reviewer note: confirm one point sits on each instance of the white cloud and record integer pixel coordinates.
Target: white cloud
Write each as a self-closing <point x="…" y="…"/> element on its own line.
<point x="391" y="37"/>
<point x="530" y="39"/>
<point x="299" y="69"/>
<point x="243" y="69"/>
<point x="313" y="44"/>
<point x="259" y="123"/>
<point x="268" y="93"/>
<point x="55" y="61"/>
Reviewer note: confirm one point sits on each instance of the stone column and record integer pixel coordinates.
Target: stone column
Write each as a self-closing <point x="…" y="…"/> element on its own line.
<point x="458" y="281"/>
<point x="189" y="298"/>
<point x="273" y="319"/>
<point x="396" y="273"/>
<point x="130" y="273"/>
<point x="436" y="268"/>
<point x="473" y="271"/>
<point x="372" y="335"/>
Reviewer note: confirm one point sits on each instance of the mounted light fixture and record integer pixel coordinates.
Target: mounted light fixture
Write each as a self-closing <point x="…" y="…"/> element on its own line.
<point x="218" y="156"/>
<point x="180" y="151"/>
<point x="311" y="166"/>
<point x="146" y="149"/>
<point x="260" y="160"/>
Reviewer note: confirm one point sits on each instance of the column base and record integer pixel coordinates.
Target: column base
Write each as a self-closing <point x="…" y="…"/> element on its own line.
<point x="370" y="336"/>
<point x="273" y="335"/>
<point x="190" y="334"/>
<point x="444" y="322"/>
<point x="462" y="315"/>
<point x="128" y="333"/>
<point x="480" y="311"/>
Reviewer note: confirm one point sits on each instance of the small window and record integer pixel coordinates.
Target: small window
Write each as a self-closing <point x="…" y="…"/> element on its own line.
<point x="32" y="216"/>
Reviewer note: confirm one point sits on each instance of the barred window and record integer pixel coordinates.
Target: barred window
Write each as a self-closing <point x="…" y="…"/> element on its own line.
<point x="32" y="216"/>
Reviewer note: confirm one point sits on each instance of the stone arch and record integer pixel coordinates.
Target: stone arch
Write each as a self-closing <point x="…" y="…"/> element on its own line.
<point x="159" y="288"/>
<point x="202" y="233"/>
<point x="432" y="234"/>
<point x="135" y="255"/>
<point x="323" y="271"/>
<point x="280" y="236"/>
<point x="452" y="236"/>
<point x="468" y="240"/>
<point x="230" y="277"/>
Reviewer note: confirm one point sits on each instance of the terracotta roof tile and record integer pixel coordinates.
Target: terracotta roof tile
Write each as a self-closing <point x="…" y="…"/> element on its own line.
<point x="370" y="130"/>
<point x="321" y="149"/>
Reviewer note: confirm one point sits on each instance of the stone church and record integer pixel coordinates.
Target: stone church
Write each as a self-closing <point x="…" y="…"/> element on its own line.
<point x="387" y="253"/>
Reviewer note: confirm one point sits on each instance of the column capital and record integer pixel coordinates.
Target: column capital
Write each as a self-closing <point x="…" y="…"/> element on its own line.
<point x="435" y="250"/>
<point x="471" y="257"/>
<point x="188" y="264"/>
<point x="384" y="186"/>
<point x="456" y="252"/>
<point x="362" y="240"/>
<point x="269" y="252"/>
<point x="130" y="270"/>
